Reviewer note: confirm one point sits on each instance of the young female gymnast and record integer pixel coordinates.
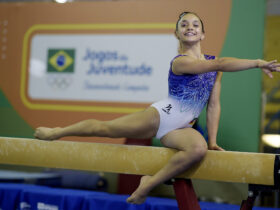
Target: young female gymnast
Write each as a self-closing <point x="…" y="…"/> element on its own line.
<point x="194" y="81"/>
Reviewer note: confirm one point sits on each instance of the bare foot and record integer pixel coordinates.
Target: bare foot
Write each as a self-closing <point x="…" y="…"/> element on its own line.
<point x="140" y="194"/>
<point x="46" y="133"/>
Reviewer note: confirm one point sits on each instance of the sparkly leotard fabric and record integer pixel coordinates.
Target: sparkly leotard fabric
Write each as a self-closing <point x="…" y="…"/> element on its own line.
<point x="188" y="94"/>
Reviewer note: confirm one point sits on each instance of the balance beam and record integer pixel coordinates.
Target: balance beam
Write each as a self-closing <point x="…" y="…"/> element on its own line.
<point x="241" y="167"/>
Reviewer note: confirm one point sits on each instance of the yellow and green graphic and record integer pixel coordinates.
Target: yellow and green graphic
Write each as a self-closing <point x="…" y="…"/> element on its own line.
<point x="61" y="60"/>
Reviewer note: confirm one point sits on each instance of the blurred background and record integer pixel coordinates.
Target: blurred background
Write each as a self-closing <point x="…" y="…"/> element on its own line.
<point x="60" y="63"/>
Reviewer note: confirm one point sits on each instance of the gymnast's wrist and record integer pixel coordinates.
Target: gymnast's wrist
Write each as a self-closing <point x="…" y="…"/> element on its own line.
<point x="258" y="63"/>
<point x="212" y="143"/>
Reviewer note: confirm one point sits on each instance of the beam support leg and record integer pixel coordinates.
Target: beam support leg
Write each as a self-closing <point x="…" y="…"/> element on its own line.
<point x="249" y="203"/>
<point x="185" y="195"/>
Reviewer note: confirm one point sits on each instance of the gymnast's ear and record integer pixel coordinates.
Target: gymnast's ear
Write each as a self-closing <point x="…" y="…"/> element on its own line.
<point x="176" y="35"/>
<point x="202" y="37"/>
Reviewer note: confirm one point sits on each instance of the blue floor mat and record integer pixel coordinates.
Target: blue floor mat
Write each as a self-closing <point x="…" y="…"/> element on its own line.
<point x="29" y="197"/>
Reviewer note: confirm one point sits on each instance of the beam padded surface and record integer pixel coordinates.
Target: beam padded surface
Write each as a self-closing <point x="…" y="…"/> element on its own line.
<point x="253" y="168"/>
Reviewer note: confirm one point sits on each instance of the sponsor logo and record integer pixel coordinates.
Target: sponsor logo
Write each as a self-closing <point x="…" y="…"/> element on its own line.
<point x="60" y="68"/>
<point x="61" y="60"/>
<point x="167" y="109"/>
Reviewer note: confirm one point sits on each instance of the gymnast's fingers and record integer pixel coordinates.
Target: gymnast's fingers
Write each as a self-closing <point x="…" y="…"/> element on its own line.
<point x="271" y="62"/>
<point x="274" y="68"/>
<point x="268" y="73"/>
<point x="220" y="149"/>
<point x="277" y="64"/>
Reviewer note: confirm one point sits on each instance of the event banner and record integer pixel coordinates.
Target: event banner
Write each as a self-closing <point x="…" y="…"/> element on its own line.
<point x="102" y="67"/>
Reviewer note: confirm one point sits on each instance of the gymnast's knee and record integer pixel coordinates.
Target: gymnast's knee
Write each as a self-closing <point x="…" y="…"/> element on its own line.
<point x="195" y="152"/>
<point x="199" y="151"/>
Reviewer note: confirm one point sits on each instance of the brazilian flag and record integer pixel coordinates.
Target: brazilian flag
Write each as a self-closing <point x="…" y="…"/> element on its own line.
<point x="61" y="60"/>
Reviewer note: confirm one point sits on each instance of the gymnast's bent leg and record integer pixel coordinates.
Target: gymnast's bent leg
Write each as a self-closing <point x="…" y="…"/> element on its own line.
<point x="140" y="125"/>
<point x="192" y="149"/>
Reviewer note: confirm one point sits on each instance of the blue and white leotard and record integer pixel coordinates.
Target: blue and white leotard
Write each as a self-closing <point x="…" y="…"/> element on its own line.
<point x="187" y="96"/>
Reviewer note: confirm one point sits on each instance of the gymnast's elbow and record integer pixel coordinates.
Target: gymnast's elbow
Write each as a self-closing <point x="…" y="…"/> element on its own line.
<point x="207" y="66"/>
<point x="213" y="107"/>
<point x="225" y="64"/>
<point x="220" y="64"/>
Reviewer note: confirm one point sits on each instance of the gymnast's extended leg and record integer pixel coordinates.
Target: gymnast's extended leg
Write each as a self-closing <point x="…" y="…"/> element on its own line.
<point x="140" y="125"/>
<point x="192" y="148"/>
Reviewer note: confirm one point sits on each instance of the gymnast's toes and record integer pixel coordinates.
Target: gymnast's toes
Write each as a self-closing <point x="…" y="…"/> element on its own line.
<point x="134" y="199"/>
<point x="44" y="133"/>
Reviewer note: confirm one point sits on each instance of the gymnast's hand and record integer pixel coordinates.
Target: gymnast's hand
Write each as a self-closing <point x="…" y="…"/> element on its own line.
<point x="45" y="133"/>
<point x="269" y="67"/>
<point x="215" y="147"/>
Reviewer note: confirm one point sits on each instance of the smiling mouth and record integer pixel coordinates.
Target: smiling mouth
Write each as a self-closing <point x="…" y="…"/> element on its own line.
<point x="189" y="34"/>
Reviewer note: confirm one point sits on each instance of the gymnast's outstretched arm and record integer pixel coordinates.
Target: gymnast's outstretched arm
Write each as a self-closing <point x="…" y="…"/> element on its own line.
<point x="190" y="65"/>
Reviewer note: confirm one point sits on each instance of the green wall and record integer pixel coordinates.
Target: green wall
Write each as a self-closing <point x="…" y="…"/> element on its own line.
<point x="11" y="124"/>
<point x="241" y="91"/>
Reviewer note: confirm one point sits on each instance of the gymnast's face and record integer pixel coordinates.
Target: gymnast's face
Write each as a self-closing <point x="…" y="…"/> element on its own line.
<point x="189" y="29"/>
